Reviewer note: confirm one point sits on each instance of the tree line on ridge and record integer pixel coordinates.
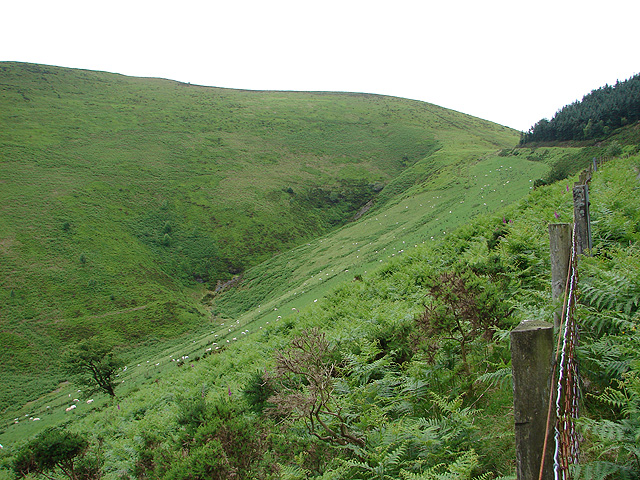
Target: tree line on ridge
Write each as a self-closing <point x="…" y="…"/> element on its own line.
<point x="595" y="116"/>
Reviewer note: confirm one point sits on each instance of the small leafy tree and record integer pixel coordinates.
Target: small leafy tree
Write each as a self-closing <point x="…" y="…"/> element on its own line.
<point x="94" y="365"/>
<point x="52" y="450"/>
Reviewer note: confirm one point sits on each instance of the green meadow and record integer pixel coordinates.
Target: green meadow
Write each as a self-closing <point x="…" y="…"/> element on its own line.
<point x="388" y="388"/>
<point x="124" y="200"/>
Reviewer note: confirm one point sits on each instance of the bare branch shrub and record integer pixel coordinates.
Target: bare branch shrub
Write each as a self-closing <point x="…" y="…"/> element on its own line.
<point x="462" y="309"/>
<point x="304" y="378"/>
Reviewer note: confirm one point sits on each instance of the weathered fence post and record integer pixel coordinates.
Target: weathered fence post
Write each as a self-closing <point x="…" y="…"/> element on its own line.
<point x="560" y="243"/>
<point x="531" y="364"/>
<point x="582" y="219"/>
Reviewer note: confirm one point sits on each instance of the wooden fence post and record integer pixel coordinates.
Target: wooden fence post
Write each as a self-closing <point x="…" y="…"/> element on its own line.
<point x="582" y="219"/>
<point x="531" y="364"/>
<point x="560" y="246"/>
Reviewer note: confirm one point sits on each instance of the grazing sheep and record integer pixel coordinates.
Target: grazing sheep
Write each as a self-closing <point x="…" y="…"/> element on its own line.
<point x="90" y="400"/>
<point x="68" y="409"/>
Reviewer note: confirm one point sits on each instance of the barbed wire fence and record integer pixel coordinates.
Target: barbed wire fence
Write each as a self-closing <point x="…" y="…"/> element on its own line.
<point x="566" y="377"/>
<point x="567" y="395"/>
<point x="545" y="377"/>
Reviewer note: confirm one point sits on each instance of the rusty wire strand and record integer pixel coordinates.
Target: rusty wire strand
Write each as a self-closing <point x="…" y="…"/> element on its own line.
<point x="567" y="395"/>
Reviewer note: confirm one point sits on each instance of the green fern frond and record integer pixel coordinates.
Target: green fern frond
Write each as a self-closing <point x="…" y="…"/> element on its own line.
<point x="427" y="423"/>
<point x="292" y="472"/>
<point x="613" y="354"/>
<point x="357" y="464"/>
<point x="339" y="472"/>
<point x="403" y="407"/>
<point x="614" y="398"/>
<point x="605" y="430"/>
<point x="407" y="393"/>
<point x="611" y="322"/>
<point x="613" y="290"/>
<point x="415" y="388"/>
<point x="363" y="366"/>
<point x="500" y="335"/>
<point x="380" y="462"/>
<point x="396" y="455"/>
<point x="501" y="377"/>
<point x="615" y="367"/>
<point x="446" y="406"/>
<point x="486" y="476"/>
<point x="464" y="465"/>
<point x="460" y="469"/>
<point x="597" y="471"/>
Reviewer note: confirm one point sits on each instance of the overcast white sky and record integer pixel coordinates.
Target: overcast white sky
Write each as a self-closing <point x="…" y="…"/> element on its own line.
<point x="509" y="61"/>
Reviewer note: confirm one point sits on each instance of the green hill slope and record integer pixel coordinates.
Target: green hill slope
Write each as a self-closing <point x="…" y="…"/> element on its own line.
<point x="125" y="199"/>
<point x="407" y="394"/>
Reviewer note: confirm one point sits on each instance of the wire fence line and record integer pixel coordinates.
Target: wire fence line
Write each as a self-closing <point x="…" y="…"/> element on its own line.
<point x="546" y="377"/>
<point x="567" y="389"/>
<point x="564" y="394"/>
<point x="567" y="394"/>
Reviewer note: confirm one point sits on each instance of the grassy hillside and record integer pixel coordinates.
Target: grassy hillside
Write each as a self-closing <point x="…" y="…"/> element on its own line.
<point x="124" y="200"/>
<point x="420" y="411"/>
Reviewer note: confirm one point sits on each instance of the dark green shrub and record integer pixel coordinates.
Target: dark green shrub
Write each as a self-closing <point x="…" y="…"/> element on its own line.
<point x="51" y="450"/>
<point x="193" y="412"/>
<point x="257" y="391"/>
<point x="223" y="443"/>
